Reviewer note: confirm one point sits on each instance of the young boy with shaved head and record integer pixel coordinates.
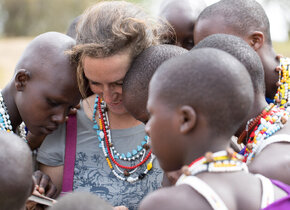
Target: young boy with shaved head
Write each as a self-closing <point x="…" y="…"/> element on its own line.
<point x="16" y="172"/>
<point x="189" y="112"/>
<point x="182" y="15"/>
<point x="248" y="20"/>
<point x="268" y="154"/>
<point x="41" y="92"/>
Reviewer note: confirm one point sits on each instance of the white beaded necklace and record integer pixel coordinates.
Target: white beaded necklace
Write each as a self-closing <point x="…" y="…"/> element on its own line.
<point x="5" y="122"/>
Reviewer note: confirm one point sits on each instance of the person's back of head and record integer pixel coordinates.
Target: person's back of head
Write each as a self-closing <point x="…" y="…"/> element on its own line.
<point x="80" y="201"/>
<point x="182" y="14"/>
<point x="239" y="17"/>
<point x="72" y="29"/>
<point x="136" y="81"/>
<point x="213" y="82"/>
<point x="115" y="26"/>
<point x="243" y="52"/>
<point x="16" y="172"/>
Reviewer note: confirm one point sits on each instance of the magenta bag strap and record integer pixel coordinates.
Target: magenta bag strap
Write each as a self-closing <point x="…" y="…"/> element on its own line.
<point x="70" y="154"/>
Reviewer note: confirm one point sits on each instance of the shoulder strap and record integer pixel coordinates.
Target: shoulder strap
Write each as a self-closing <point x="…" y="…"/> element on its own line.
<point x="205" y="190"/>
<point x="70" y="154"/>
<point x="267" y="191"/>
<point x="273" y="139"/>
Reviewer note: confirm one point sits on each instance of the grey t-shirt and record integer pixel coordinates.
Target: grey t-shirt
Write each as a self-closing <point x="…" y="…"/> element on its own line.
<point x="92" y="172"/>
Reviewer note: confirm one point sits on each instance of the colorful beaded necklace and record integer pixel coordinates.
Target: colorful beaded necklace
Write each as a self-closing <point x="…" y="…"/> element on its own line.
<point x="271" y="120"/>
<point x="102" y="128"/>
<point x="283" y="93"/>
<point x="5" y="123"/>
<point x="223" y="161"/>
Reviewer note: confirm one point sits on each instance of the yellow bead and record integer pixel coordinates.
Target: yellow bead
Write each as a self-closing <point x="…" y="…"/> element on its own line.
<point x="264" y="129"/>
<point x="8" y="130"/>
<point x="283" y="101"/>
<point x="149" y="166"/>
<point x="109" y="163"/>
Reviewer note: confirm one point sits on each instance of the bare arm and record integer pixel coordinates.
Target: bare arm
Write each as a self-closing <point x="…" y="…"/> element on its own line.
<point x="55" y="173"/>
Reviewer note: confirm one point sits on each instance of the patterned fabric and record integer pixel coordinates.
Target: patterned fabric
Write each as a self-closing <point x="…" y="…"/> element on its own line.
<point x="92" y="172"/>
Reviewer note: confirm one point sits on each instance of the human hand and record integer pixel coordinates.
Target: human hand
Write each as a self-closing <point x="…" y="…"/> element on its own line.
<point x="44" y="185"/>
<point x="120" y="208"/>
<point x="74" y="110"/>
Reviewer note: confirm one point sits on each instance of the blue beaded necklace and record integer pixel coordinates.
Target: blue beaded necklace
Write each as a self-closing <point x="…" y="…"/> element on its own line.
<point x="138" y="153"/>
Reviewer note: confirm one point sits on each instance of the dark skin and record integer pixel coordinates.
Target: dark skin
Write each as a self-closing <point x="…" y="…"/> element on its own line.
<point x="44" y="82"/>
<point x="191" y="129"/>
<point x="256" y="39"/>
<point x="182" y="16"/>
<point x="272" y="161"/>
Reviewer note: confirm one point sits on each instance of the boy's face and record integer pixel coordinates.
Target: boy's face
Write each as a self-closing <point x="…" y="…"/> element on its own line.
<point x="162" y="128"/>
<point x="46" y="100"/>
<point x="183" y="26"/>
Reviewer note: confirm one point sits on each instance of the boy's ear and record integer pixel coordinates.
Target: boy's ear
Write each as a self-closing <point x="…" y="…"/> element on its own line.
<point x="187" y="119"/>
<point x="21" y="79"/>
<point x="256" y="40"/>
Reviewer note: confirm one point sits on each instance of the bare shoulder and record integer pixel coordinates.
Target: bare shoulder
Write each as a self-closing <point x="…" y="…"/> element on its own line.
<point x="176" y="197"/>
<point x="273" y="162"/>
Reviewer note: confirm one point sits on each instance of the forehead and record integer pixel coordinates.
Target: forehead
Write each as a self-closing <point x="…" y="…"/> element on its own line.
<point x="108" y="69"/>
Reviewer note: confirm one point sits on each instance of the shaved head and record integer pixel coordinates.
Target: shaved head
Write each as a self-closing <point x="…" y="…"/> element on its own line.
<point x="211" y="81"/>
<point x="80" y="201"/>
<point x="241" y="17"/>
<point x="16" y="171"/>
<point x="243" y="52"/>
<point x="136" y="81"/>
<point x="47" y="50"/>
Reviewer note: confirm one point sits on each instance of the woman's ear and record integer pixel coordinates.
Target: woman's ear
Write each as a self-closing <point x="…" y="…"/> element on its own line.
<point x="187" y="119"/>
<point x="21" y="78"/>
<point x="256" y="40"/>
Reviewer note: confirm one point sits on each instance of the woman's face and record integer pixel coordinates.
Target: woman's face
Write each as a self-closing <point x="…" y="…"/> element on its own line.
<point x="106" y="76"/>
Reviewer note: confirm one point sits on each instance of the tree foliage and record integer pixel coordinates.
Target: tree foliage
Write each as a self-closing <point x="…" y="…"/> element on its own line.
<point x="32" y="17"/>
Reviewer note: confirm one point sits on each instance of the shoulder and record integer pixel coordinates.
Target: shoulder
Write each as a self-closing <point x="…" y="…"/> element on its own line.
<point x="176" y="197"/>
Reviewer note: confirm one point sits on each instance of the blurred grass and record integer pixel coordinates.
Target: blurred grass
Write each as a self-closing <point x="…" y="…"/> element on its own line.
<point x="282" y="48"/>
<point x="12" y="48"/>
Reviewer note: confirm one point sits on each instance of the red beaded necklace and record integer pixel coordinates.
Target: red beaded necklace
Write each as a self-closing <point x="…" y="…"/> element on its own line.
<point x="108" y="145"/>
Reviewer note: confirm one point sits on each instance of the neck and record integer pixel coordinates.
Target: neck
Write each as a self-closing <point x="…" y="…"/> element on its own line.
<point x="9" y="98"/>
<point x="270" y="62"/>
<point x="122" y="121"/>
<point x="257" y="108"/>
<point x="210" y="143"/>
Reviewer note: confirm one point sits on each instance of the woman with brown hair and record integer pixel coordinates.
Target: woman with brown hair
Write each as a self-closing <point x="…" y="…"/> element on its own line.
<point x="113" y="158"/>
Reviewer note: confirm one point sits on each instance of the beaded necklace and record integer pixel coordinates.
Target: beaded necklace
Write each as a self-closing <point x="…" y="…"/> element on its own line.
<point x="5" y="123"/>
<point x="269" y="123"/>
<point x="223" y="161"/>
<point x="111" y="154"/>
<point x="283" y="93"/>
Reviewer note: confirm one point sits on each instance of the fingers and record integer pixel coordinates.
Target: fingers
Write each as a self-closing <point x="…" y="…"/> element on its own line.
<point x="51" y="190"/>
<point x="44" y="185"/>
<point x="120" y="208"/>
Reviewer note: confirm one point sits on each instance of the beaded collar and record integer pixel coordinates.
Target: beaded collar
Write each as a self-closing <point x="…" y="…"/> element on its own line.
<point x="271" y="120"/>
<point x="141" y="153"/>
<point x="5" y="123"/>
<point x="222" y="161"/>
<point x="283" y="93"/>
